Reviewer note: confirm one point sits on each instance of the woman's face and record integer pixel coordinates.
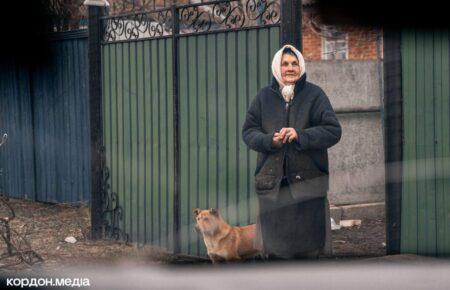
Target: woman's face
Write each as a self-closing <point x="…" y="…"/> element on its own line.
<point x="290" y="69"/>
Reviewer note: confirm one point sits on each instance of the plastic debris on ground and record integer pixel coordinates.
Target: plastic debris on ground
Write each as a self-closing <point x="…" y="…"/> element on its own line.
<point x="349" y="223"/>
<point x="334" y="226"/>
<point x="70" y="240"/>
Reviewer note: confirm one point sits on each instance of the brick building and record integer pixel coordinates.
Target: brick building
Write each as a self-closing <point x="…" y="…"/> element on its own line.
<point x="337" y="42"/>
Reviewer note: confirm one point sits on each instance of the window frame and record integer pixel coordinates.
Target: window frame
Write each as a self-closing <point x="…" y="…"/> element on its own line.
<point x="326" y="40"/>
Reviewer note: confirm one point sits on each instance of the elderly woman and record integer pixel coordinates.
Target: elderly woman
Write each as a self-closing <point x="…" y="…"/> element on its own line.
<point x="291" y="124"/>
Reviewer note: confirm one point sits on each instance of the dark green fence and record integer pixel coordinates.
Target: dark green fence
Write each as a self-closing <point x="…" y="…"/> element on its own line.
<point x="220" y="66"/>
<point x="219" y="76"/>
<point x="425" y="211"/>
<point x="138" y="136"/>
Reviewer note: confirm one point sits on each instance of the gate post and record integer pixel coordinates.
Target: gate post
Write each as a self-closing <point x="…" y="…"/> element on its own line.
<point x="291" y="23"/>
<point x="96" y="9"/>
<point x="393" y="138"/>
<point x="176" y="131"/>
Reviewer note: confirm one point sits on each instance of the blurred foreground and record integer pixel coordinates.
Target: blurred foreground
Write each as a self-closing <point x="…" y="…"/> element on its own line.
<point x="358" y="261"/>
<point x="390" y="272"/>
<point x="48" y="228"/>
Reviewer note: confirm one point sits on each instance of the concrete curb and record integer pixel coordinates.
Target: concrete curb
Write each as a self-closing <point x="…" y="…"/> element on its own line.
<point x="361" y="211"/>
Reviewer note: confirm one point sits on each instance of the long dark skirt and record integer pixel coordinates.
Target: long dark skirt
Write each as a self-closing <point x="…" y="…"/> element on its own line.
<point x="290" y="229"/>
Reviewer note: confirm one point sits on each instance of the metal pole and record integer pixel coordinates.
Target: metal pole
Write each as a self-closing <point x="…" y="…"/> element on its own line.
<point x="393" y="141"/>
<point x="176" y="131"/>
<point x="291" y="23"/>
<point x="95" y="114"/>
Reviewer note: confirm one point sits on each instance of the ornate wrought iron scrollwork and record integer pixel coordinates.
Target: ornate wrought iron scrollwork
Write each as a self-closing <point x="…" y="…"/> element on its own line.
<point x="263" y="11"/>
<point x="112" y="212"/>
<point x="227" y="15"/>
<point x="232" y="16"/>
<point x="192" y="18"/>
<point x="216" y="16"/>
<point x="195" y="19"/>
<point x="137" y="26"/>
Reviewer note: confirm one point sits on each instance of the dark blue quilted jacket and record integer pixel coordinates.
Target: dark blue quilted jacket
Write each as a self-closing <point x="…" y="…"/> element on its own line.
<point x="304" y="163"/>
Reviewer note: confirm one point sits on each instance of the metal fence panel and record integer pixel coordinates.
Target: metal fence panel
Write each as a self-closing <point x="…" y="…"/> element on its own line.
<point x="218" y="79"/>
<point x="61" y="120"/>
<point x="16" y="155"/>
<point x="44" y="109"/>
<point x="425" y="219"/>
<point x="222" y="52"/>
<point x="219" y="76"/>
<point x="138" y="136"/>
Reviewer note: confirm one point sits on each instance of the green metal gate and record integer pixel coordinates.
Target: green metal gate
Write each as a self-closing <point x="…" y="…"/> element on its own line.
<point x="175" y="95"/>
<point x="425" y="210"/>
<point x="138" y="121"/>
<point x="219" y="75"/>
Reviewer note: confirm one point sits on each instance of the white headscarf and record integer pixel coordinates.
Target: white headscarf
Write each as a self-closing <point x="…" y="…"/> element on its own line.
<point x="286" y="90"/>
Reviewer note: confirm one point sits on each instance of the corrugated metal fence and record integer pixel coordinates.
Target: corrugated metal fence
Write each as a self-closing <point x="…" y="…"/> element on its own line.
<point x="218" y="74"/>
<point x="218" y="79"/>
<point x="45" y="111"/>
<point x="138" y="136"/>
<point x="16" y="155"/>
<point x="425" y="213"/>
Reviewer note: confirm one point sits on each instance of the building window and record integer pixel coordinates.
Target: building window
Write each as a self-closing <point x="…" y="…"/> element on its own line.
<point x="334" y="43"/>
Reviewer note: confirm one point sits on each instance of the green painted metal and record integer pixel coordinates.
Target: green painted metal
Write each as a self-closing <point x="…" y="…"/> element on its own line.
<point x="425" y="219"/>
<point x="219" y="76"/>
<point x="138" y="122"/>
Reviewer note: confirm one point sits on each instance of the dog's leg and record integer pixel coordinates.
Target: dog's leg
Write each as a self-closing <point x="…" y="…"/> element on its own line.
<point x="215" y="259"/>
<point x="234" y="259"/>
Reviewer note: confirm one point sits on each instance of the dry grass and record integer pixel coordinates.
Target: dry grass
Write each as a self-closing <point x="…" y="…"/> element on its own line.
<point x="45" y="226"/>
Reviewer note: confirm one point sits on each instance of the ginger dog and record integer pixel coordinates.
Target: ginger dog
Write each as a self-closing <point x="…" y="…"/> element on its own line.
<point x="224" y="242"/>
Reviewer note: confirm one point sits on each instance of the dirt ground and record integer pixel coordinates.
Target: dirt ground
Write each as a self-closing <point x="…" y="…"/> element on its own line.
<point x="45" y="226"/>
<point x="366" y="240"/>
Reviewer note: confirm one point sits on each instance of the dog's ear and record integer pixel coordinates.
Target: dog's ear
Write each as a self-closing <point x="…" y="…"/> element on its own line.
<point x="196" y="211"/>
<point x="214" y="211"/>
